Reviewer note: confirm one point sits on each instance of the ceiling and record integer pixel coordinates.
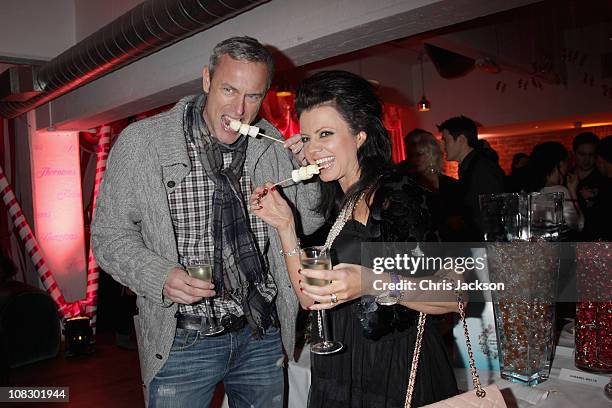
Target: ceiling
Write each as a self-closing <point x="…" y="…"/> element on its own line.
<point x="539" y="34"/>
<point x="537" y="41"/>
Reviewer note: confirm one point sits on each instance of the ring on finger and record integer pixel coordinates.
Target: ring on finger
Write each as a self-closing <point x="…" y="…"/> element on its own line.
<point x="334" y="298"/>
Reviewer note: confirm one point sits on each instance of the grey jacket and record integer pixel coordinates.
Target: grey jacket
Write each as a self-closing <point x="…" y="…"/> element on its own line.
<point x="133" y="237"/>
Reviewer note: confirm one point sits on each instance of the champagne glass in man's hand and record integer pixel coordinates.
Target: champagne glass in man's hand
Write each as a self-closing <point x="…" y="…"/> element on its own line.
<point x="200" y="267"/>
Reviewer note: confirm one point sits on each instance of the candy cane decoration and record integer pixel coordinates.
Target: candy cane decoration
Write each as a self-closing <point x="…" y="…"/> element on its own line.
<point x="33" y="249"/>
<point x="93" y="271"/>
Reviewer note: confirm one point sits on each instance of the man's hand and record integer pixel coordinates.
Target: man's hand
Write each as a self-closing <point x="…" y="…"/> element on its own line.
<point x="182" y="288"/>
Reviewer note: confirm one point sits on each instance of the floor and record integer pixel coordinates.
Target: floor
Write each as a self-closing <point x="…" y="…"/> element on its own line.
<point x="110" y="377"/>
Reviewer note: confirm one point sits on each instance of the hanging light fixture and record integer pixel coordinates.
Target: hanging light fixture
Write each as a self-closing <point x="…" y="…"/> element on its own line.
<point x="283" y="87"/>
<point x="424" y="105"/>
<point x="283" y="91"/>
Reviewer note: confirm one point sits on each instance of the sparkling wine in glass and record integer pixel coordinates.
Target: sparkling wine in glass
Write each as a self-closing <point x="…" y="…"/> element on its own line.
<point x="200" y="267"/>
<point x="319" y="258"/>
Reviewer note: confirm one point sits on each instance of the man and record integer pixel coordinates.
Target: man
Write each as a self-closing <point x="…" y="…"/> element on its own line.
<point x="477" y="173"/>
<point x="176" y="187"/>
<point x="598" y="227"/>
<point x="590" y="180"/>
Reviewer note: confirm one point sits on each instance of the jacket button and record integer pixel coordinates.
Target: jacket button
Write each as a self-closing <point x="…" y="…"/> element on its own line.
<point x="171" y="184"/>
<point x="158" y="356"/>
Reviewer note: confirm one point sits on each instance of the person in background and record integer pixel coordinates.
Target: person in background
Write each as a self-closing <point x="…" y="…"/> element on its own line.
<point x="548" y="163"/>
<point x="487" y="150"/>
<point x="517" y="181"/>
<point x="590" y="180"/>
<point x="598" y="227"/>
<point x="176" y="186"/>
<point x="424" y="164"/>
<point x="342" y="131"/>
<point x="478" y="174"/>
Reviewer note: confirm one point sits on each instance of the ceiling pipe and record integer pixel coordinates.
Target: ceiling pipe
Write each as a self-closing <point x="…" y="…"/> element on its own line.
<point x="145" y="29"/>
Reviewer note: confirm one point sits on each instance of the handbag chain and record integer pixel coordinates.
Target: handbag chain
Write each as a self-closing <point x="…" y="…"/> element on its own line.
<point x="480" y="392"/>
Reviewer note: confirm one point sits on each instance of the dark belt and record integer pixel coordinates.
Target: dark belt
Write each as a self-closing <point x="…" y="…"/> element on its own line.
<point x="229" y="322"/>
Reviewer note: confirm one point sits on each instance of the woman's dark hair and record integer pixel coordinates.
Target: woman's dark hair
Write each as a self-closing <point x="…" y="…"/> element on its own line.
<point x="355" y="100"/>
<point x="543" y="160"/>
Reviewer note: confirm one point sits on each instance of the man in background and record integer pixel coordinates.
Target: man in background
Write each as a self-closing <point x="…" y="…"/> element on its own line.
<point x="478" y="174"/>
<point x="590" y="180"/>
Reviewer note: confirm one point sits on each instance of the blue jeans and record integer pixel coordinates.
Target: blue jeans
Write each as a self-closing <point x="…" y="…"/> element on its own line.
<point x="250" y="369"/>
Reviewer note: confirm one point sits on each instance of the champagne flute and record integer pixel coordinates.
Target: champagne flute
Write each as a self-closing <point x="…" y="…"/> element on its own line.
<point x="319" y="258"/>
<point x="200" y="267"/>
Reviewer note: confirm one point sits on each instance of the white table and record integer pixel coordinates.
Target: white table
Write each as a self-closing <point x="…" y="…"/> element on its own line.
<point x="561" y="394"/>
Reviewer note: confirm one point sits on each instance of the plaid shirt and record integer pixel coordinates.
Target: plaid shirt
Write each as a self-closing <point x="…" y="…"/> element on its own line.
<point x="191" y="211"/>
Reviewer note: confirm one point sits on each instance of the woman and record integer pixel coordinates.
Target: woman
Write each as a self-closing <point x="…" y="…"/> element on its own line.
<point x="342" y="131"/>
<point x="548" y="164"/>
<point x="424" y="164"/>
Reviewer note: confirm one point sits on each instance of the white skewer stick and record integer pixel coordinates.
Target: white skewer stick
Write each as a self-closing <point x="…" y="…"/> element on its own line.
<point x="245" y="129"/>
<point x="281" y="182"/>
<point x="269" y="137"/>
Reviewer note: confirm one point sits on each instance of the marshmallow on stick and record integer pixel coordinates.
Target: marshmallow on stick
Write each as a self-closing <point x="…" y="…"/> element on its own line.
<point x="245" y="129"/>
<point x="304" y="173"/>
<point x="301" y="174"/>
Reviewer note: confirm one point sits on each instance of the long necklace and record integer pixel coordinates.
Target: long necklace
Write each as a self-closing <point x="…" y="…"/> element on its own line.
<point x="345" y="214"/>
<point x="343" y="217"/>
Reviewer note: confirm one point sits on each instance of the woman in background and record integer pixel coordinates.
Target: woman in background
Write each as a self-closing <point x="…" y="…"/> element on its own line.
<point x="548" y="165"/>
<point x="424" y="164"/>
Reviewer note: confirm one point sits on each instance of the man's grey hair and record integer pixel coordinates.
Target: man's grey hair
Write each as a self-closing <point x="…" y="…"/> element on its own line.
<point x="242" y="49"/>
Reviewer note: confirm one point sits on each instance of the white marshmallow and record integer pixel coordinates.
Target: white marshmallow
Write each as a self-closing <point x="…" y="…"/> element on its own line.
<point x="244" y="129"/>
<point x="304" y="173"/>
<point x="234" y="125"/>
<point x="253" y="131"/>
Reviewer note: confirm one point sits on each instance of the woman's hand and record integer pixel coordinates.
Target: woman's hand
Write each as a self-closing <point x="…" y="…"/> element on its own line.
<point x="346" y="285"/>
<point x="267" y="204"/>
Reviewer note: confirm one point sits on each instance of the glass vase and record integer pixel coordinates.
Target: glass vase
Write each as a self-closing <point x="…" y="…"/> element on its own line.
<point x="520" y="230"/>
<point x="593" y="326"/>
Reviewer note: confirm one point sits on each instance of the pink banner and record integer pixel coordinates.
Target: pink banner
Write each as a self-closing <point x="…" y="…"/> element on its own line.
<point x="58" y="208"/>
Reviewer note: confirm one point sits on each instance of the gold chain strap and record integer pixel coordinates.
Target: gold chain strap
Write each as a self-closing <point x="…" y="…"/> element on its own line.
<point x="480" y="393"/>
<point x="415" y="359"/>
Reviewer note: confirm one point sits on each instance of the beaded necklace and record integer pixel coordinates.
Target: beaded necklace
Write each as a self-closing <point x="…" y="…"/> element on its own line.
<point x="343" y="217"/>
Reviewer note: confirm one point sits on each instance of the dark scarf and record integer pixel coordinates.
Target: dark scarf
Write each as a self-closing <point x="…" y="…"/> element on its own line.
<point x="238" y="267"/>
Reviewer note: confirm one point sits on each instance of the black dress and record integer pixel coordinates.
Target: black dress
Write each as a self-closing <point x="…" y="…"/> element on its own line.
<point x="372" y="369"/>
